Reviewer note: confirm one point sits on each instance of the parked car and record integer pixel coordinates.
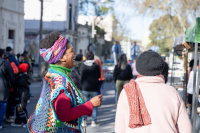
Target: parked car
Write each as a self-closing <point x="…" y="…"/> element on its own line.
<point x="108" y="69"/>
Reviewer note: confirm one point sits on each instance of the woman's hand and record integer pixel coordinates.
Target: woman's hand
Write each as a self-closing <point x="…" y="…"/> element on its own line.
<point x="96" y="101"/>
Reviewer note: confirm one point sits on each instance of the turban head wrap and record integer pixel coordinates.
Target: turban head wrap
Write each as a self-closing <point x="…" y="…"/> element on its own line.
<point x="54" y="54"/>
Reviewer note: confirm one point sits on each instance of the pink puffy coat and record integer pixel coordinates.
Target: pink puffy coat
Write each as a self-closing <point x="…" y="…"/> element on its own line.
<point x="164" y="104"/>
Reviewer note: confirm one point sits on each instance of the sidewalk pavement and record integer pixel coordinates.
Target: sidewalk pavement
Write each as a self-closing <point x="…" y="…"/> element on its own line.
<point x="105" y="117"/>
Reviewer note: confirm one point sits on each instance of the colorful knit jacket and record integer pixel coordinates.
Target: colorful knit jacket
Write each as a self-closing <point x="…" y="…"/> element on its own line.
<point x="44" y="118"/>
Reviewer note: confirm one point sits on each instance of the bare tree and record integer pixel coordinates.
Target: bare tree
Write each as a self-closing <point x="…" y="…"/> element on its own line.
<point x="102" y="8"/>
<point x="183" y="9"/>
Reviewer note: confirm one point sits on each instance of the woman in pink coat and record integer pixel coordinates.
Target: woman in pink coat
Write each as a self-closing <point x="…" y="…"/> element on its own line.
<point x="148" y="105"/>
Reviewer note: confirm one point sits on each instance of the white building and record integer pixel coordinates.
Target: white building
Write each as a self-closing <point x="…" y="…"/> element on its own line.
<point x="145" y="41"/>
<point x="12" y="24"/>
<point x="106" y="23"/>
<point x="84" y="38"/>
<point x="103" y="39"/>
<point x="125" y="47"/>
<point x="58" y="15"/>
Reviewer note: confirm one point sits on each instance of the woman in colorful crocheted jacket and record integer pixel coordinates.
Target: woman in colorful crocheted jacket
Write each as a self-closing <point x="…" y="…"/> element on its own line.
<point x="61" y="106"/>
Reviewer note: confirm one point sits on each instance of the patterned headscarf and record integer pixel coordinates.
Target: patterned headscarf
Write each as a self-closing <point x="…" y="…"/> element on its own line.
<point x="52" y="55"/>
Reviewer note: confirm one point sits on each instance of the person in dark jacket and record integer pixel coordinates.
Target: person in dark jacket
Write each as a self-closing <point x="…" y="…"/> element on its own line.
<point x="10" y="110"/>
<point x="78" y="62"/>
<point x="122" y="74"/>
<point x="9" y="53"/>
<point x="22" y="93"/>
<point x="6" y="81"/>
<point x="165" y="71"/>
<point x="75" y="78"/>
<point x="90" y="74"/>
<point x="24" y="59"/>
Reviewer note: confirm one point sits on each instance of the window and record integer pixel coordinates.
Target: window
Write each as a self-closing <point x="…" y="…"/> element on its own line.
<point x="11" y="34"/>
<point x="80" y="51"/>
<point x="11" y="38"/>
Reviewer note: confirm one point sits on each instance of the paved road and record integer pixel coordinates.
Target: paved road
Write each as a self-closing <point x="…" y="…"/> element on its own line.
<point x="106" y="113"/>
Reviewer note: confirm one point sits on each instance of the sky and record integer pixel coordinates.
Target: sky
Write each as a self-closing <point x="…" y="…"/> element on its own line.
<point x="137" y="25"/>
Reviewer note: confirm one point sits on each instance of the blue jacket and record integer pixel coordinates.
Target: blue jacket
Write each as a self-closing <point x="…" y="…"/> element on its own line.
<point x="155" y="49"/>
<point x="114" y="48"/>
<point x="12" y="58"/>
<point x="135" y="48"/>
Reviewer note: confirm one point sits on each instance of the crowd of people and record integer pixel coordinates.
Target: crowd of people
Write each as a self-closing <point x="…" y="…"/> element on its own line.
<point x="126" y="70"/>
<point x="15" y="75"/>
<point x="72" y="90"/>
<point x="145" y="103"/>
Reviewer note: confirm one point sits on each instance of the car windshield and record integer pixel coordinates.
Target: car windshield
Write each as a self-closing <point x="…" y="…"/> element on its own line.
<point x="109" y="61"/>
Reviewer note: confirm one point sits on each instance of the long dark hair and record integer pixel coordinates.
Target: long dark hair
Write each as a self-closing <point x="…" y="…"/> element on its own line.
<point x="25" y="57"/>
<point x="122" y="61"/>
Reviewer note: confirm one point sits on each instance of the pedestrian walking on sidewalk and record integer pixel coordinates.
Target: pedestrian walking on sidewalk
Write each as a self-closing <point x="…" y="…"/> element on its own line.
<point x="135" y="50"/>
<point x="166" y="69"/>
<point x="11" y="57"/>
<point x="75" y="78"/>
<point x="116" y="49"/>
<point x="60" y="107"/>
<point x="32" y="60"/>
<point x="90" y="74"/>
<point x="22" y="94"/>
<point x="191" y="64"/>
<point x="24" y="59"/>
<point x="155" y="48"/>
<point x="122" y="74"/>
<point x="78" y="62"/>
<point x="10" y="110"/>
<point x="102" y="78"/>
<point x="190" y="84"/>
<point x="148" y="105"/>
<point x="7" y="82"/>
<point x="134" y="71"/>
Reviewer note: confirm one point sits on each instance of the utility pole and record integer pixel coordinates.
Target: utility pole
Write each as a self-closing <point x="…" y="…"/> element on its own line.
<point x="41" y="31"/>
<point x="93" y="31"/>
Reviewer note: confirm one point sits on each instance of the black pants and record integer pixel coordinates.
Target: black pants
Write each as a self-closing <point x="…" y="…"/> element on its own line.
<point x="190" y="98"/>
<point x="10" y="110"/>
<point x="18" y="119"/>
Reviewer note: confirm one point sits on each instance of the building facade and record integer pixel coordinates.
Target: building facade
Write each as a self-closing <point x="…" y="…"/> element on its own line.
<point x="57" y="16"/>
<point x="12" y="25"/>
<point x="84" y="39"/>
<point x="126" y="46"/>
<point x="103" y="36"/>
<point x="105" y="23"/>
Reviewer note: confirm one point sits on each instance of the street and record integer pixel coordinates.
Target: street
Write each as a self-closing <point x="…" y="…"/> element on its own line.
<point x="105" y="117"/>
